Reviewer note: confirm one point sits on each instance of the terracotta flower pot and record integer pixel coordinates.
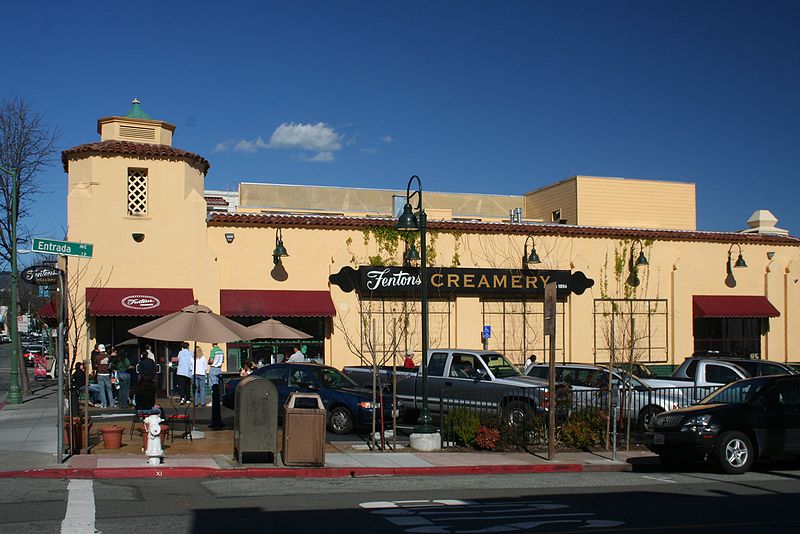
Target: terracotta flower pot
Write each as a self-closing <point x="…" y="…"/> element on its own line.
<point x="77" y="432"/>
<point x="112" y="436"/>
<point x="163" y="435"/>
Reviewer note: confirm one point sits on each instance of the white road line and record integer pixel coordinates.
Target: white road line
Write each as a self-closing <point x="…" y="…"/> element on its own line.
<point x="659" y="479"/>
<point x="80" y="508"/>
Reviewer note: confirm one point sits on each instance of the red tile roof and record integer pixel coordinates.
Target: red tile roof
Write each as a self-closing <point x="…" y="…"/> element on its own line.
<point x="132" y="150"/>
<point x="216" y="201"/>
<point x="478" y="227"/>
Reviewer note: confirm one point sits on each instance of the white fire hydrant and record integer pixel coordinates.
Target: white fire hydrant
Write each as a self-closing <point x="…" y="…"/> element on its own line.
<point x="154" y="452"/>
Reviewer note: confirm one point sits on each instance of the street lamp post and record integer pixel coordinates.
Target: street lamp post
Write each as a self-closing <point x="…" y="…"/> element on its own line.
<point x="633" y="265"/>
<point x="14" y="394"/>
<point x="409" y="222"/>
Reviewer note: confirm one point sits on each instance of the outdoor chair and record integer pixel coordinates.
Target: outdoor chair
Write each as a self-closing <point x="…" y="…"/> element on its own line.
<point x="181" y="416"/>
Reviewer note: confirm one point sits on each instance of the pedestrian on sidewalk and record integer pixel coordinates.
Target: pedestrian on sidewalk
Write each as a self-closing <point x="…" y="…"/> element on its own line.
<point x="217" y="359"/>
<point x="147" y="353"/>
<point x="185" y="371"/>
<point x="200" y="371"/>
<point x="408" y="363"/>
<point x="101" y="366"/>
<point x="530" y="363"/>
<point x="120" y="364"/>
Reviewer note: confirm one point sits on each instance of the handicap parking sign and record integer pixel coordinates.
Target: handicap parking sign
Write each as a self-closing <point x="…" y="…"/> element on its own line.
<point x="487" y="332"/>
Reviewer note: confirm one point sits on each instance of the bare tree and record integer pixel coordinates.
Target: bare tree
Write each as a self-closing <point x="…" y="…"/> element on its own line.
<point x="27" y="146"/>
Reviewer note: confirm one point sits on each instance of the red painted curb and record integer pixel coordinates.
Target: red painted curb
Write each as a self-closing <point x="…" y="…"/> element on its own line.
<point x="289" y="472"/>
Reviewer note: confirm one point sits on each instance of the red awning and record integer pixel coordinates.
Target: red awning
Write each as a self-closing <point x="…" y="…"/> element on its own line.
<point x="140" y="302"/>
<point x="48" y="311"/>
<point x="729" y="306"/>
<point x="275" y="303"/>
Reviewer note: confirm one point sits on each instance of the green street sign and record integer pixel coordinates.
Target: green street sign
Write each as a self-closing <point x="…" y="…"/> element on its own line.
<point x="62" y="248"/>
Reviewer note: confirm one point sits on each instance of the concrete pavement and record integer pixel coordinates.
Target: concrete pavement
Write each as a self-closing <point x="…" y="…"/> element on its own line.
<point x="28" y="449"/>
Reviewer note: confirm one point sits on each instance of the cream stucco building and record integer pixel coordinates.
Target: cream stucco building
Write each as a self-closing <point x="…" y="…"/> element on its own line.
<point x="162" y="240"/>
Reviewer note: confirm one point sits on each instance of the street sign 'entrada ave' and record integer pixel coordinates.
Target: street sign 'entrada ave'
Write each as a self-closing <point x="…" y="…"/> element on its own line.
<point x="62" y="248"/>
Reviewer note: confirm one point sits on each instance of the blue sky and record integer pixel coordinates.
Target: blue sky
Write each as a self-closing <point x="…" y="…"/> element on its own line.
<point x="484" y="97"/>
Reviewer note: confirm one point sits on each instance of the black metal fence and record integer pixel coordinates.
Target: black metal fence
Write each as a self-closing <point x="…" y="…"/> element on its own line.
<point x="509" y="417"/>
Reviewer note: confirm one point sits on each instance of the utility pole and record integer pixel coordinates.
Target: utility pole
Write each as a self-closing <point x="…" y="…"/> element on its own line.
<point x="14" y="393"/>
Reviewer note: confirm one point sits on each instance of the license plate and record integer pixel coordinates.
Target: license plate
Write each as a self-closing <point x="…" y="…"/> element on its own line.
<point x="658" y="439"/>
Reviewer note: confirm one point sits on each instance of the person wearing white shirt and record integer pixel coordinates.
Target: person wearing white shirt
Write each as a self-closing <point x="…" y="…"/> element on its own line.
<point x="200" y="371"/>
<point x="530" y="363"/>
<point x="297" y="357"/>
<point x="185" y="371"/>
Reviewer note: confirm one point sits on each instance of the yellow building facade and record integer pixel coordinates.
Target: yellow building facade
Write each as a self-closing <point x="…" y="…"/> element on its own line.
<point x="162" y="240"/>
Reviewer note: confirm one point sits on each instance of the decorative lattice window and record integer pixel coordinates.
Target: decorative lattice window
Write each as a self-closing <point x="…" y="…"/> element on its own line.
<point x="137" y="191"/>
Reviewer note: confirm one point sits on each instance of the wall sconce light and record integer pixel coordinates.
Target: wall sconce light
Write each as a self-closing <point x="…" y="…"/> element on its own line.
<point x="770" y="255"/>
<point x="138" y="237"/>
<point x="280" y="250"/>
<point x="730" y="281"/>
<point x="633" y="266"/>
<point x="229" y="237"/>
<point x="533" y="257"/>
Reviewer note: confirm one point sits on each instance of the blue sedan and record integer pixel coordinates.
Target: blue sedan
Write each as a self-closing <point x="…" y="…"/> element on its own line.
<point x="346" y="403"/>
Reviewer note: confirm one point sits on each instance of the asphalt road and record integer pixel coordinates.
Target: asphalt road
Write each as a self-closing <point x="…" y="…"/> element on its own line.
<point x="701" y="501"/>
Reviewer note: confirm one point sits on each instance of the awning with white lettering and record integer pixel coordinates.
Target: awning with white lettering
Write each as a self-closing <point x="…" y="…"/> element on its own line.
<point x="136" y="302"/>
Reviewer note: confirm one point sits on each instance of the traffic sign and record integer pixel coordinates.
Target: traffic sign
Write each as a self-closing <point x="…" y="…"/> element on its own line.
<point x="487" y="332"/>
<point x="62" y="248"/>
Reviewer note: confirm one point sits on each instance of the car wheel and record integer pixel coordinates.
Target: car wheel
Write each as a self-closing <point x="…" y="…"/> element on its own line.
<point x="517" y="412"/>
<point x="735" y="453"/>
<point x="647" y="415"/>
<point x="341" y="420"/>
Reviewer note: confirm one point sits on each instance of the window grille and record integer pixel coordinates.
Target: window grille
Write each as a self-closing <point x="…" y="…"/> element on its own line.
<point x="518" y="329"/>
<point x="137" y="191"/>
<point x="630" y="330"/>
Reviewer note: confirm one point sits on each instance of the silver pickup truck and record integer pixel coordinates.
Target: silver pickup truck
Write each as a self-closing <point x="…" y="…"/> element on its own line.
<point x="478" y="379"/>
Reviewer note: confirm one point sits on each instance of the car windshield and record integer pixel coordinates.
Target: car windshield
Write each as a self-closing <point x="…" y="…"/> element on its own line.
<point x="734" y="393"/>
<point x="334" y="379"/>
<point x="499" y="366"/>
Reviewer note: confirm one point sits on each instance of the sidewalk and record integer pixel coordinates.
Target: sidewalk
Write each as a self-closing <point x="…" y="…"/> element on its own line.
<point x="28" y="449"/>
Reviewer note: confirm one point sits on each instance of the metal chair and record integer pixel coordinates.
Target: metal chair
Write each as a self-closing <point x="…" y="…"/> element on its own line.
<point x="177" y="418"/>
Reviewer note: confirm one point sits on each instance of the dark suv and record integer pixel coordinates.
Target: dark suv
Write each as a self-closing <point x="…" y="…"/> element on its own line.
<point x="746" y="420"/>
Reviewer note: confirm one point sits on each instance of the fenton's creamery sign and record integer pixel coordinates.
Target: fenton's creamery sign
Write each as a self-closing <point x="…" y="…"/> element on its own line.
<point x="378" y="281"/>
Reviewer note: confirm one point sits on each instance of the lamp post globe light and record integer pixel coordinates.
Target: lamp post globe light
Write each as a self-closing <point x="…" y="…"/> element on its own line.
<point x="425" y="436"/>
<point x="14" y="394"/>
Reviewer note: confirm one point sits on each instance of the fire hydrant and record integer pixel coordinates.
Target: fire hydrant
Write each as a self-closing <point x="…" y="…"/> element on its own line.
<point x="154" y="452"/>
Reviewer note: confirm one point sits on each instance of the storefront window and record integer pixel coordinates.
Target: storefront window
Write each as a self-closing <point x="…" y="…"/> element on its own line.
<point x="630" y="330"/>
<point x="739" y="336"/>
<point x="518" y="326"/>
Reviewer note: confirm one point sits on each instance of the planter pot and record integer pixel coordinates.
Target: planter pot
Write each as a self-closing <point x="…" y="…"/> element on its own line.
<point x="112" y="436"/>
<point x="77" y="433"/>
<point x="163" y="435"/>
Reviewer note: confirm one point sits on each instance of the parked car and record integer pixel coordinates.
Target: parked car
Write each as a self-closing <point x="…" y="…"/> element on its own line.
<point x="29" y="353"/>
<point x="703" y="373"/>
<point x="5" y="338"/>
<point x="753" y="367"/>
<point x="469" y="378"/>
<point x="746" y="420"/>
<point x="348" y="405"/>
<point x="590" y="382"/>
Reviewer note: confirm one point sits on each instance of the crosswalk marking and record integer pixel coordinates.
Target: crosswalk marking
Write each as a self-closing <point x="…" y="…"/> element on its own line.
<point x="79" y="518"/>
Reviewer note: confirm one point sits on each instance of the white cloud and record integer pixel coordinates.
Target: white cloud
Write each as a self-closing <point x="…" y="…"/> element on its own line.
<point x="319" y="138"/>
<point x="387" y="139"/>
<point x="322" y="157"/>
<point x="316" y="137"/>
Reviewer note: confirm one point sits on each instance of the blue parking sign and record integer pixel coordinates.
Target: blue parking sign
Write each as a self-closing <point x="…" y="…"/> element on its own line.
<point x="487" y="332"/>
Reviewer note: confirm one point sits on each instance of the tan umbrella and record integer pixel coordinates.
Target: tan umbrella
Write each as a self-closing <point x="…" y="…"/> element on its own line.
<point x="274" y="329"/>
<point x="193" y="323"/>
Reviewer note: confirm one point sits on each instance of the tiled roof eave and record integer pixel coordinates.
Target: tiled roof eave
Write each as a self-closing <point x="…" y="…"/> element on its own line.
<point x="133" y="150"/>
<point x="478" y="227"/>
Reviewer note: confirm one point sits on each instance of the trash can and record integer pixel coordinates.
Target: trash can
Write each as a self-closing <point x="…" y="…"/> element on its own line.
<point x="304" y="430"/>
<point x="255" y="421"/>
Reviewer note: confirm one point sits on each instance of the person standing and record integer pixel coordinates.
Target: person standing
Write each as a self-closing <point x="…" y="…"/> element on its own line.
<point x="101" y="367"/>
<point x="147" y="353"/>
<point x="298" y="356"/>
<point x="200" y="370"/>
<point x="120" y="364"/>
<point x="408" y="363"/>
<point x="217" y="357"/>
<point x="530" y="363"/>
<point x="185" y="372"/>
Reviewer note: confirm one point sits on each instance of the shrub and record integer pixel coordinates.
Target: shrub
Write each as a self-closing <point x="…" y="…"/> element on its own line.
<point x="463" y="424"/>
<point x="584" y="429"/>
<point x="487" y="438"/>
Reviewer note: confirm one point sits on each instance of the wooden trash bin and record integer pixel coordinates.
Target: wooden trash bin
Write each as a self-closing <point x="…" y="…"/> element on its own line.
<point x="304" y="430"/>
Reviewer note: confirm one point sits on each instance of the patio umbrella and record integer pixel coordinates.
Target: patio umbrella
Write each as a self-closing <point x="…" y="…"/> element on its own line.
<point x="274" y="329"/>
<point x="193" y="323"/>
